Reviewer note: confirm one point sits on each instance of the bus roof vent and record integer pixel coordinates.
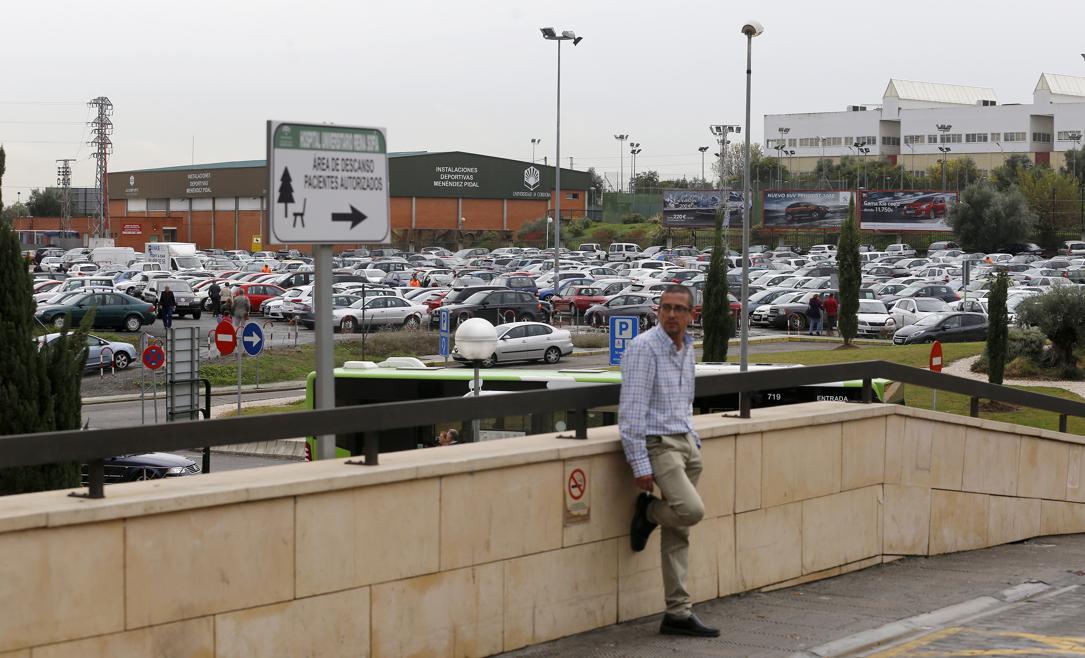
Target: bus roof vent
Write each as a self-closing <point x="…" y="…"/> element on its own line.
<point x="359" y="365"/>
<point x="401" y="362"/>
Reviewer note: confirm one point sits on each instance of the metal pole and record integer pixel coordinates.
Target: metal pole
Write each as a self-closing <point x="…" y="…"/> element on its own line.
<point x="557" y="178"/>
<point x="746" y="195"/>
<point x="238" y="349"/>
<point x="475" y="423"/>
<point x="325" y="341"/>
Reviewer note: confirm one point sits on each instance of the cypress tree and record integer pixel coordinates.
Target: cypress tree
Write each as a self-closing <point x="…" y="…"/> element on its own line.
<point x="39" y="391"/>
<point x="850" y="277"/>
<point x="716" y="310"/>
<point x="998" y="333"/>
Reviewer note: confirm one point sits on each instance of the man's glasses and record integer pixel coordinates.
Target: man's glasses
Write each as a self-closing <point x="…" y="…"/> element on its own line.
<point x="671" y="308"/>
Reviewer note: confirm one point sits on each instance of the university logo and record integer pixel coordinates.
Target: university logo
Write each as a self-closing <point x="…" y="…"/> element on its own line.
<point x="532" y="178"/>
<point x="131" y="181"/>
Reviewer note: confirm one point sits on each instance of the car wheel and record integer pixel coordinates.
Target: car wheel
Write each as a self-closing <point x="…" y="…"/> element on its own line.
<point x="196" y="315"/>
<point x="594" y="320"/>
<point x="132" y="323"/>
<point x="207" y="304"/>
<point x="490" y="362"/>
<point x="463" y="317"/>
<point x="642" y="322"/>
<point x="526" y="317"/>
<point x="796" y="322"/>
<point x="120" y="361"/>
<point x="552" y="355"/>
<point x="58" y="322"/>
<point x="412" y="322"/>
<point x="348" y="325"/>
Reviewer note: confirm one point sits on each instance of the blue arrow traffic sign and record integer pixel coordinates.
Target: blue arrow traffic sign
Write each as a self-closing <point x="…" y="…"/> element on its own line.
<point x="252" y="338"/>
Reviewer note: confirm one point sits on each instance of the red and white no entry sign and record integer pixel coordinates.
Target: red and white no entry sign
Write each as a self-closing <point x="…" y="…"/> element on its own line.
<point x="936" y="357"/>
<point x="578" y="484"/>
<point x="225" y="338"/>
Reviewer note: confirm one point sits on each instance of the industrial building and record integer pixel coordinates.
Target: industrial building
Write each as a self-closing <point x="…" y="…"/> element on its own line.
<point x="919" y="122"/>
<point x="436" y="198"/>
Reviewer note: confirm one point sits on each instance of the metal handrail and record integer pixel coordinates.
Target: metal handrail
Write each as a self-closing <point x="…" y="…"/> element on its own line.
<point x="94" y="445"/>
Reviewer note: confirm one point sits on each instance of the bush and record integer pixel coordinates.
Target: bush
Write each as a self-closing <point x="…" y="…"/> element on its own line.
<point x="1060" y="315"/>
<point x="590" y="341"/>
<point x="1024" y="354"/>
<point x="633" y="218"/>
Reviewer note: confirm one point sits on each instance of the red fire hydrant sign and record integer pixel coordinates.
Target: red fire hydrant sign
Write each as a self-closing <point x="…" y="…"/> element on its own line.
<point x="577" y="493"/>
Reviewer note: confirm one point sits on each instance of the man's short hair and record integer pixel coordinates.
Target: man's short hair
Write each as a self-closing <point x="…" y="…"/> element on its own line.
<point x="453" y="435"/>
<point x="677" y="288"/>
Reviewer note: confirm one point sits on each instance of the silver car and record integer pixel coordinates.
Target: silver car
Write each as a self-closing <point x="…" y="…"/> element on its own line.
<point x="385" y="310"/>
<point x="527" y="341"/>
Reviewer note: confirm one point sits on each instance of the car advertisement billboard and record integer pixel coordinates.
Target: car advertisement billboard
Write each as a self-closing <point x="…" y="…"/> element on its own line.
<point x="697" y="208"/>
<point x="906" y="210"/>
<point x="805" y="208"/>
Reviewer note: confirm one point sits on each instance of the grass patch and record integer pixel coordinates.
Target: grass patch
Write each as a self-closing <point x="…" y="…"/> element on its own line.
<point x="587" y="341"/>
<point x="285" y="364"/>
<point x="910" y="355"/>
<point x="271" y="409"/>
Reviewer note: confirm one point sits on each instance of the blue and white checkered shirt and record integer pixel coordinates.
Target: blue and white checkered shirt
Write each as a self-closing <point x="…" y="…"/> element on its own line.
<point x="657" y="394"/>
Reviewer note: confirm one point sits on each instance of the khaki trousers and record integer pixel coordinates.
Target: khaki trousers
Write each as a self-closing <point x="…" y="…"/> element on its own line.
<point x="676" y="466"/>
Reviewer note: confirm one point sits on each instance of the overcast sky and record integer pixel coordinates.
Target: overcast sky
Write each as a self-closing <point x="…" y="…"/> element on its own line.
<point x="477" y="75"/>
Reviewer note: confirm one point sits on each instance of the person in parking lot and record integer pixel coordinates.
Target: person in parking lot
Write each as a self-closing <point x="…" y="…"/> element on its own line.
<point x="831" y="308"/>
<point x="266" y="269"/>
<point x="415" y="283"/>
<point x="227" y="304"/>
<point x="240" y="308"/>
<point x="214" y="293"/>
<point x="167" y="304"/>
<point x="813" y="316"/>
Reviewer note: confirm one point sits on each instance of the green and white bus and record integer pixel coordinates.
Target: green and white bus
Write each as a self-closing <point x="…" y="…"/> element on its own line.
<point x="402" y="379"/>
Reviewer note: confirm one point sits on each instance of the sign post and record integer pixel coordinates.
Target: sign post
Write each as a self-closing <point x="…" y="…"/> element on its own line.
<point x="252" y="339"/>
<point x="444" y="335"/>
<point x="330" y="186"/>
<point x="935" y="366"/>
<point x="622" y="332"/>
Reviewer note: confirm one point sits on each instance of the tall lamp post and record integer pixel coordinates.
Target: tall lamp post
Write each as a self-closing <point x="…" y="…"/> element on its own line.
<point x="534" y="141"/>
<point x="944" y="128"/>
<point x="781" y="144"/>
<point x="751" y="29"/>
<point x="633" y="151"/>
<point x="702" y="149"/>
<point x="1075" y="137"/>
<point x="476" y="340"/>
<point x="621" y="137"/>
<point x="551" y="35"/>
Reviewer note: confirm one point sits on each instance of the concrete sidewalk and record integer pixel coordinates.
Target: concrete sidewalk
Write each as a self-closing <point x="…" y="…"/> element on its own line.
<point x="981" y="600"/>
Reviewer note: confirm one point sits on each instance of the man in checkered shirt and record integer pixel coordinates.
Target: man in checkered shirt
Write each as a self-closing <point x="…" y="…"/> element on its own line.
<point x="655" y="417"/>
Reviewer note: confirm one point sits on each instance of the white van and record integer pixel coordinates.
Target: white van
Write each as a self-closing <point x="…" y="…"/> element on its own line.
<point x="623" y="251"/>
<point x="113" y="256"/>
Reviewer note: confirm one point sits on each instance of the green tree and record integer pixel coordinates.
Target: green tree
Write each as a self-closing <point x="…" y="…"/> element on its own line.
<point x="1060" y="314"/>
<point x="14" y="211"/>
<point x="716" y="309"/>
<point x="986" y="218"/>
<point x="960" y="173"/>
<point x="1075" y="164"/>
<point x="3" y="165"/>
<point x="1053" y="198"/>
<point x="997" y="329"/>
<point x="39" y="391"/>
<point x="45" y="203"/>
<point x="1005" y="176"/>
<point x="847" y="257"/>
<point x="646" y="182"/>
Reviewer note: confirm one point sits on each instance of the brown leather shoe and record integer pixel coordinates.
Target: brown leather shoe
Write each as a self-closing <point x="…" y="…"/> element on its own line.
<point x="690" y="625"/>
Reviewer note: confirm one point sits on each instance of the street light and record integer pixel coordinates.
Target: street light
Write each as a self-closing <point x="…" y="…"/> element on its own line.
<point x="1074" y="136"/>
<point x="781" y="144"/>
<point x="721" y="131"/>
<point x="702" y="149"/>
<point x="634" y="149"/>
<point x="621" y="155"/>
<point x="751" y="29"/>
<point x="476" y="340"/>
<point x="945" y="156"/>
<point x="534" y="141"/>
<point x="551" y="35"/>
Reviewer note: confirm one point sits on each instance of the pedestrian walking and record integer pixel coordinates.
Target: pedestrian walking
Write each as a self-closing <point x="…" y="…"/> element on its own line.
<point x="167" y="303"/>
<point x="655" y="418"/>
<point x="240" y="308"/>
<point x="831" y="307"/>
<point x="214" y="293"/>
<point x="813" y="315"/>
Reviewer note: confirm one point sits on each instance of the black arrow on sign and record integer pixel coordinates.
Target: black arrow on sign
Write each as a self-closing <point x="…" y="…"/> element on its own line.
<point x="355" y="216"/>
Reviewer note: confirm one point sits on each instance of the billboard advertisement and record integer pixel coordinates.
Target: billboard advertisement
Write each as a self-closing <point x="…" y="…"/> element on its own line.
<point x="906" y="210"/>
<point x="697" y="208"/>
<point x="805" y="208"/>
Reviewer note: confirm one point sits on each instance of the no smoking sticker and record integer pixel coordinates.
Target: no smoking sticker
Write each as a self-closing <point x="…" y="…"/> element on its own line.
<point x="577" y="496"/>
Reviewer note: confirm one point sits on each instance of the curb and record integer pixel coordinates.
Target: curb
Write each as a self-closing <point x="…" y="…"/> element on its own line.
<point x="897" y="630"/>
<point x="215" y="391"/>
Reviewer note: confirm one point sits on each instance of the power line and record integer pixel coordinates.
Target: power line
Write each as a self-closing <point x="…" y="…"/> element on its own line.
<point x="45" y="123"/>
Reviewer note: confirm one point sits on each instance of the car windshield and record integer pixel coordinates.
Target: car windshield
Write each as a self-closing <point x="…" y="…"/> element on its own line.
<point x="930" y="305"/>
<point x="930" y="320"/>
<point x="176" y="285"/>
<point x="871" y="306"/>
<point x="1014" y="302"/>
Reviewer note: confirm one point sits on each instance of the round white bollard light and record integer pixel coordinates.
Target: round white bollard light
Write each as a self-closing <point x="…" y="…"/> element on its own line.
<point x="476" y="339"/>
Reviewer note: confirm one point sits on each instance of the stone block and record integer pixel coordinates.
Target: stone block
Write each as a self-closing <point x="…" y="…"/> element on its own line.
<point x="990" y="462"/>
<point x="862" y="453"/>
<point x="747" y="472"/>
<point x="958" y="521"/>
<point x="612" y="495"/>
<point x="501" y="514"/>
<point x="728" y="568"/>
<point x="703" y="577"/>
<point x="640" y="580"/>
<point x="352" y="538"/>
<point x="1044" y="466"/>
<point x="453" y="613"/>
<point x="927" y="453"/>
<point x="193" y="638"/>
<point x="22" y="653"/>
<point x="717" y="483"/>
<point x="907" y="520"/>
<point x="1061" y="518"/>
<point x="1012" y="519"/>
<point x="1075" y="474"/>
<point x="229" y="557"/>
<point x="559" y="593"/>
<point x="894" y="448"/>
<point x="800" y="463"/>
<point x="768" y="545"/>
<point x="841" y="528"/>
<point x="61" y="583"/>
<point x="333" y="625"/>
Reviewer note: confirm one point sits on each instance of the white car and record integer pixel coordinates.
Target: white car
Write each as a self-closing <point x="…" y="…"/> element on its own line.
<point x="902" y="250"/>
<point x="380" y="311"/>
<point x="272" y="309"/>
<point x="527" y="341"/>
<point x="875" y="320"/>
<point x="72" y="284"/>
<point x="910" y="310"/>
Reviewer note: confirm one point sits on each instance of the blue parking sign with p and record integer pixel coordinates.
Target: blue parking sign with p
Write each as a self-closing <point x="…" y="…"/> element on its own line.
<point x="622" y="331"/>
<point x="444" y="333"/>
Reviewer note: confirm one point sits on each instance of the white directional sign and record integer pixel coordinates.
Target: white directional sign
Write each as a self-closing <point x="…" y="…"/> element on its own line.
<point x="327" y="184"/>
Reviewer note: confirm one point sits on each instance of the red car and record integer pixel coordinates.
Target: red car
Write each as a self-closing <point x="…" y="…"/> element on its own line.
<point x="579" y="297"/>
<point x="435" y="303"/>
<point x="929" y="207"/>
<point x="736" y="308"/>
<point x="258" y="293"/>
